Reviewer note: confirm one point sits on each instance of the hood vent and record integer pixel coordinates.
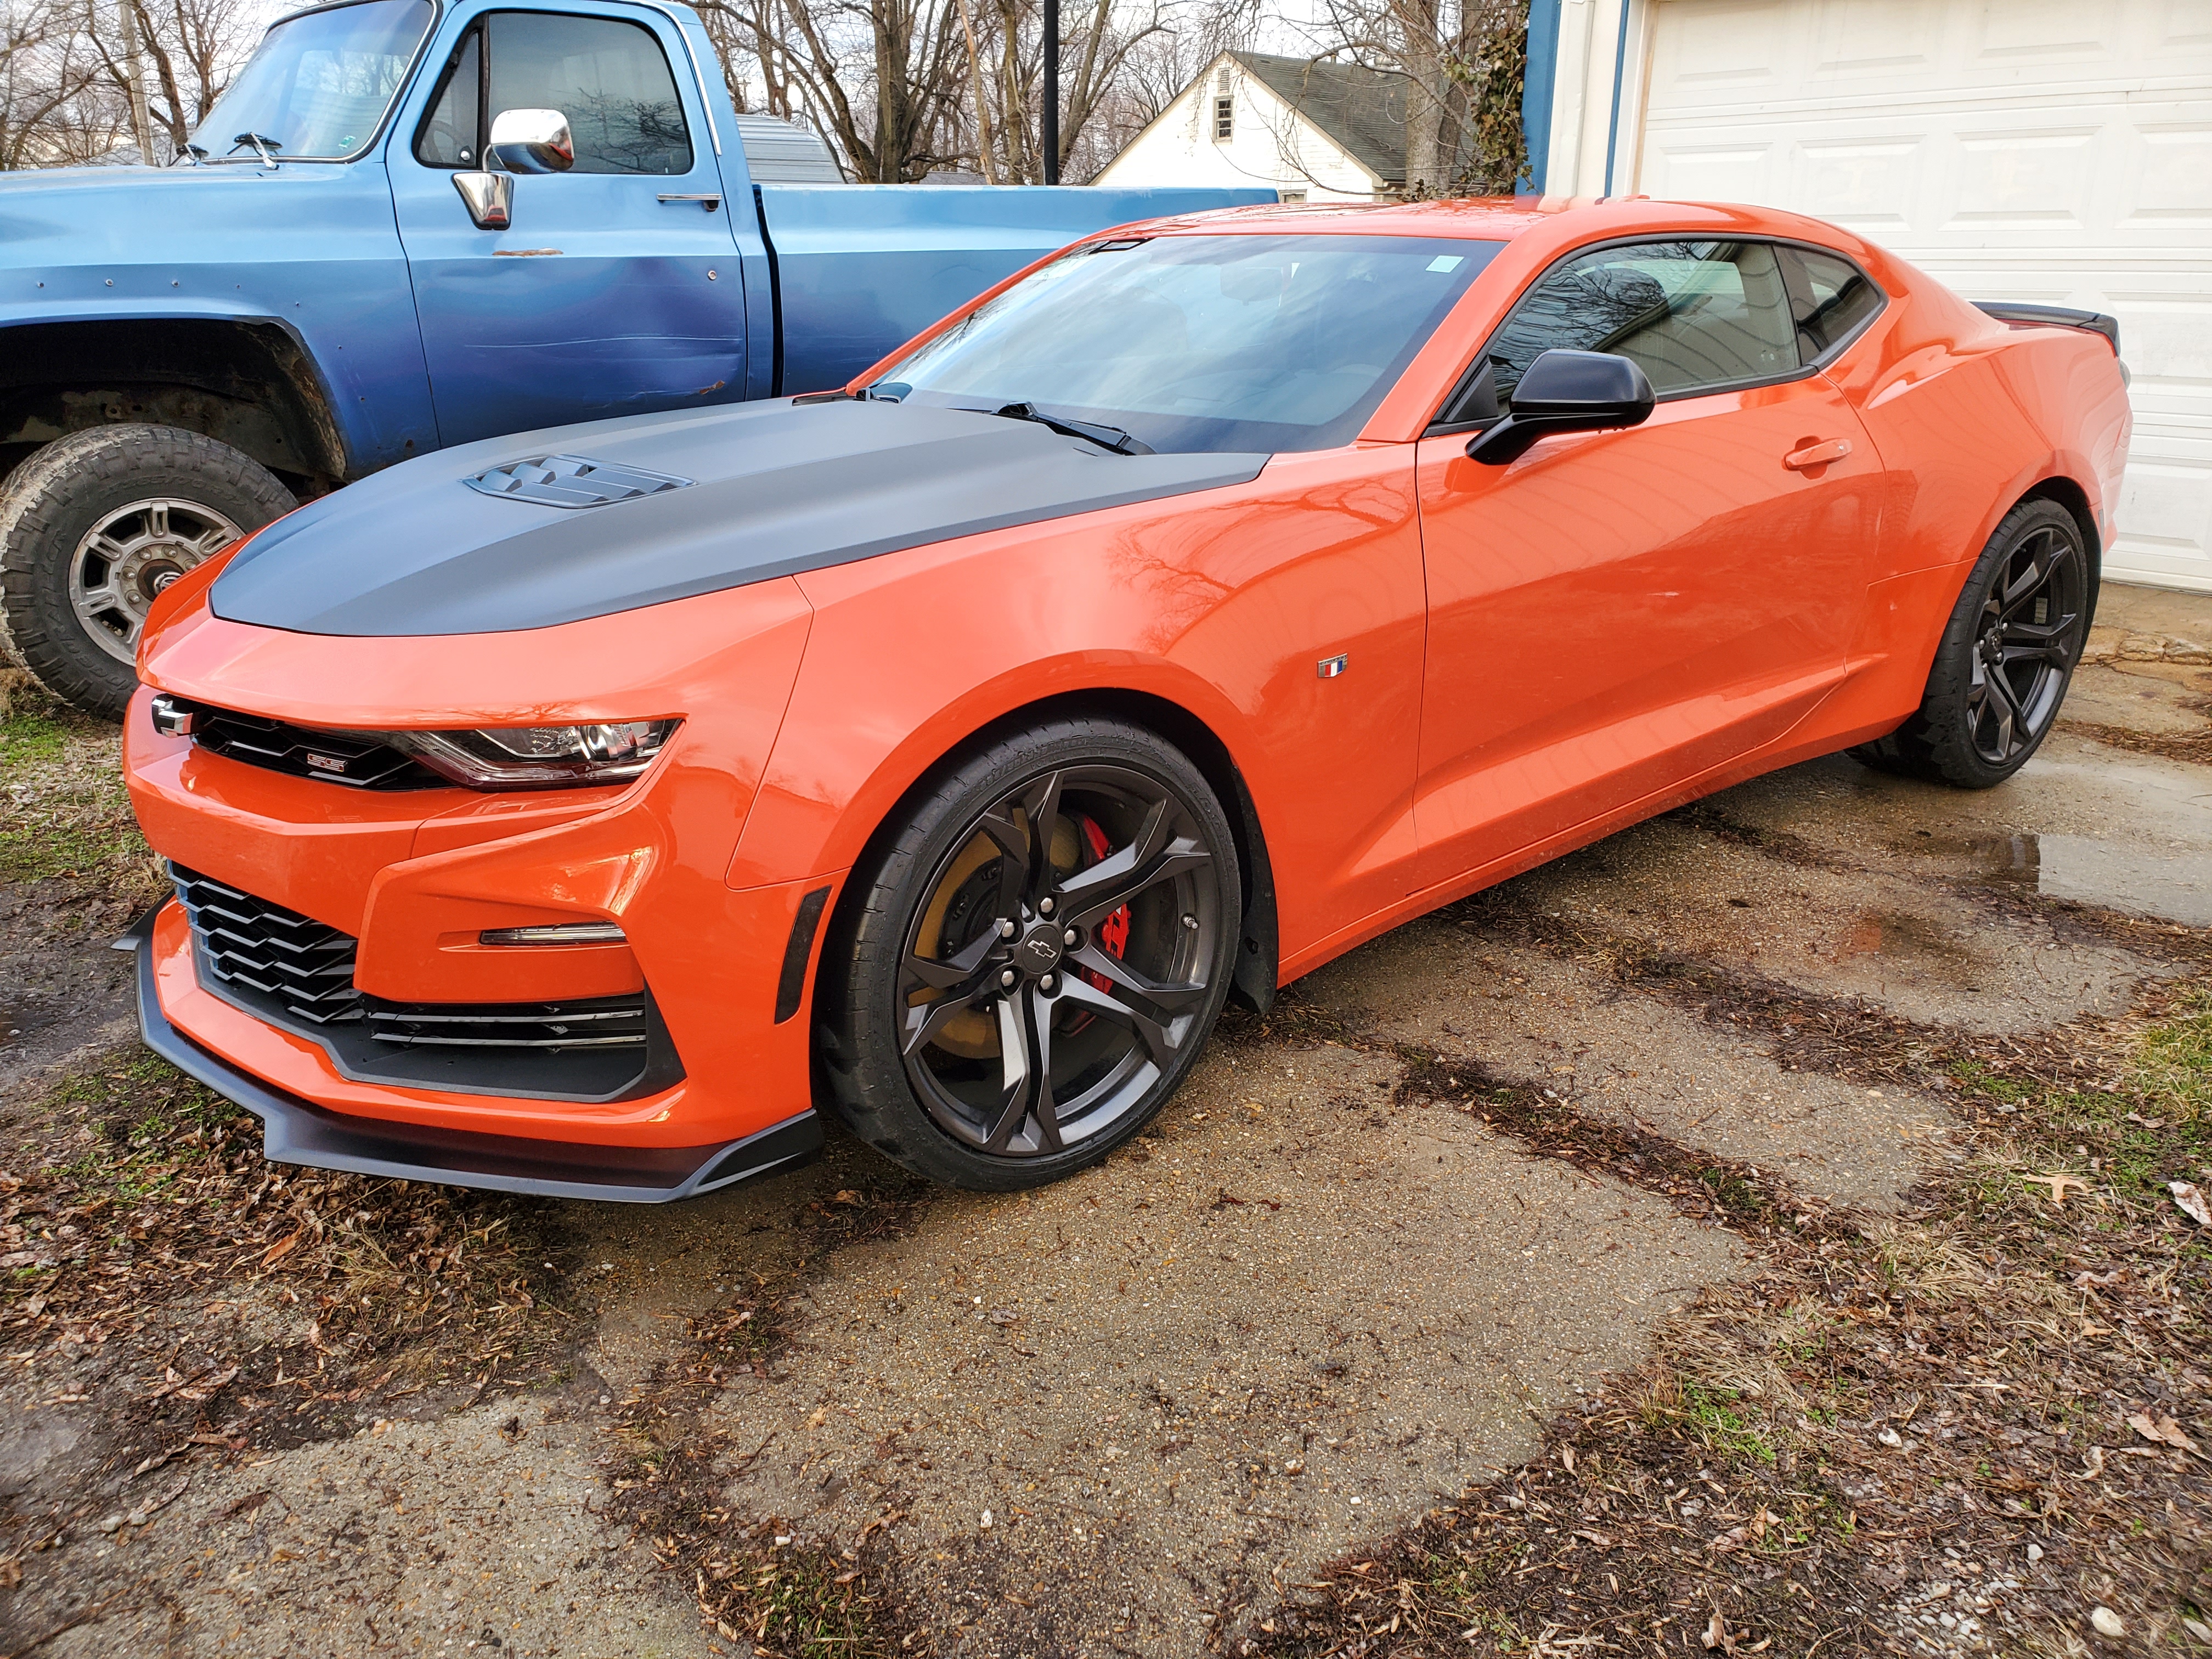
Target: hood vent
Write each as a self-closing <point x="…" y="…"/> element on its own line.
<point x="571" y="481"/>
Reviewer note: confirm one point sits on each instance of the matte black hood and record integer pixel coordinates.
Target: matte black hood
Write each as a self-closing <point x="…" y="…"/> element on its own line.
<point x="767" y="489"/>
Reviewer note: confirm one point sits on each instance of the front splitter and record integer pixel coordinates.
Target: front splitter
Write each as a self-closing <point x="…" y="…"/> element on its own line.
<point x="297" y="1131"/>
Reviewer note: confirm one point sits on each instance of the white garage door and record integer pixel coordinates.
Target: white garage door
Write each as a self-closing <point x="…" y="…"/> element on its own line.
<point x="2057" y="151"/>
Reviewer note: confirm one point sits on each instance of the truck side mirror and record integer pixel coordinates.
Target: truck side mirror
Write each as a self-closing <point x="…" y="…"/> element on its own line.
<point x="490" y="196"/>
<point x="1565" y="391"/>
<point x="533" y="141"/>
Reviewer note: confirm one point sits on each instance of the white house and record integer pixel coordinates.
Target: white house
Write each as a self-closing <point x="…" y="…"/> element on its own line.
<point x="1316" y="132"/>
<point x="2045" y="151"/>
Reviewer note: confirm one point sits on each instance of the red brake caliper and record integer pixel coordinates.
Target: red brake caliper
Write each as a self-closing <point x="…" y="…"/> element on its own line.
<point x="1112" y="933"/>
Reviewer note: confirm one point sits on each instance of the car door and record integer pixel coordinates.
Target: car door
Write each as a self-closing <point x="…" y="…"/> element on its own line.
<point x="616" y="290"/>
<point x="1617" y="612"/>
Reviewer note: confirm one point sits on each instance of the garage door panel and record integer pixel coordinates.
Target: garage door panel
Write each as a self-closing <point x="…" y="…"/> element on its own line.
<point x="2043" y="151"/>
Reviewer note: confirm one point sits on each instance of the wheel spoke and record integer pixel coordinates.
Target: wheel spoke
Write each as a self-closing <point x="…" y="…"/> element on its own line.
<point x="1156" y="1037"/>
<point x="1171" y="998"/>
<point x="157" y="521"/>
<point x="94" y="600"/>
<point x="1998" y="703"/>
<point x="211" y="541"/>
<point x="2045" y="554"/>
<point x="945" y="975"/>
<point x="925" y="1020"/>
<point x="1149" y="859"/>
<point x="1041" y="806"/>
<point x="1017" y="1074"/>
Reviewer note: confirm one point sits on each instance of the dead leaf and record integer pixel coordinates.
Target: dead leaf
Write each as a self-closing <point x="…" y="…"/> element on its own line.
<point x="2190" y="1202"/>
<point x="11" y="1571"/>
<point x="2166" y="1432"/>
<point x="847" y="1195"/>
<point x="202" y="1388"/>
<point x="2058" y="1184"/>
<point x="1716" y="1635"/>
<point x="281" y="1248"/>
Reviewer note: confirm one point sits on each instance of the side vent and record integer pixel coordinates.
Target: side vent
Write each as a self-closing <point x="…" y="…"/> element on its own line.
<point x="571" y="481"/>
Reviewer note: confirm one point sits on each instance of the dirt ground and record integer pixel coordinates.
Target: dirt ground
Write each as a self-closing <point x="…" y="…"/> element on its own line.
<point x="1637" y="1258"/>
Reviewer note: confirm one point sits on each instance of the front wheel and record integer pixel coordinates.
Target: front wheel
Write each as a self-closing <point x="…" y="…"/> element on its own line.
<point x="2006" y="657"/>
<point x="1031" y="967"/>
<point x="95" y="525"/>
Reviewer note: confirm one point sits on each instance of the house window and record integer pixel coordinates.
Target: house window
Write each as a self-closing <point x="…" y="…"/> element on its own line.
<point x="1224" y="118"/>
<point x="1294" y="196"/>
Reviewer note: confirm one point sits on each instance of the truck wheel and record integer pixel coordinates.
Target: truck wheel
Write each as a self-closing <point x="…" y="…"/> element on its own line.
<point x="93" y="525"/>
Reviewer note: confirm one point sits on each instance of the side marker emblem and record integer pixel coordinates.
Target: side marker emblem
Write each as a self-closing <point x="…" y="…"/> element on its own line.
<point x="1329" y="667"/>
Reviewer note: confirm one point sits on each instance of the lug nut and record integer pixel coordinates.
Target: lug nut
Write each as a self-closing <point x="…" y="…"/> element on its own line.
<point x="1044" y="907"/>
<point x="1006" y="928"/>
<point x="1045" y="984"/>
<point x="1070" y="936"/>
<point x="1007" y="977"/>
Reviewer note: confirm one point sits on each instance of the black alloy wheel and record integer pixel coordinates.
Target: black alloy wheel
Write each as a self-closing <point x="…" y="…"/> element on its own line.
<point x="2006" y="657"/>
<point x="1041" y="957"/>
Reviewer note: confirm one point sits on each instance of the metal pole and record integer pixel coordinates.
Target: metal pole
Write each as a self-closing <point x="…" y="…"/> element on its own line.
<point x="1052" y="92"/>
<point x="142" y="118"/>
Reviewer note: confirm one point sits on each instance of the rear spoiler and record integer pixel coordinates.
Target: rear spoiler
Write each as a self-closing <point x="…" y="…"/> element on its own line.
<point x="2054" y="317"/>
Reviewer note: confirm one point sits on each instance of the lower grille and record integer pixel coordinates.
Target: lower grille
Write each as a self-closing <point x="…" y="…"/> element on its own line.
<point x="254" y="946"/>
<point x="606" y="1023"/>
<point x="297" y="973"/>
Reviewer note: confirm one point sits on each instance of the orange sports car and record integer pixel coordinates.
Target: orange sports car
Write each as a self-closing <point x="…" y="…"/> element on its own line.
<point x="593" y="811"/>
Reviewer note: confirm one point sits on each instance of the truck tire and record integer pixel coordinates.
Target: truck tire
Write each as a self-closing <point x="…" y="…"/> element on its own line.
<point x="93" y="525"/>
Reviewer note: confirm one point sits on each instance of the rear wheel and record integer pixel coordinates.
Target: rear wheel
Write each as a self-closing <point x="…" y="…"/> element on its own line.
<point x="92" y="526"/>
<point x="2006" y="657"/>
<point x="1036" y="959"/>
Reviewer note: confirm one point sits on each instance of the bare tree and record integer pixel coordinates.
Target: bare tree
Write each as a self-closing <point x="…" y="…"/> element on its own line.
<point x="52" y="109"/>
<point x="191" y="49"/>
<point x="1462" y="61"/>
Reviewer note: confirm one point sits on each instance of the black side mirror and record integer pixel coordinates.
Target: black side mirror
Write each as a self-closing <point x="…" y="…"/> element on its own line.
<point x="1565" y="391"/>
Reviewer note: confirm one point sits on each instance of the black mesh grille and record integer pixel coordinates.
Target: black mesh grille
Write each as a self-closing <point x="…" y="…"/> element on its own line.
<point x="357" y="758"/>
<point x="254" y="946"/>
<point x="285" y="967"/>
<point x="603" y="1023"/>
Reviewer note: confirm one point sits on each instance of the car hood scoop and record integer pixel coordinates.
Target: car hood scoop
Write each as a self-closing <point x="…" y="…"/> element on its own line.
<point x="571" y="481"/>
<point x="486" y="538"/>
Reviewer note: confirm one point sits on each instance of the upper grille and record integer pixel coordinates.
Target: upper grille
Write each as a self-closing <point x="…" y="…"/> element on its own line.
<point x="252" y="945"/>
<point x="359" y="758"/>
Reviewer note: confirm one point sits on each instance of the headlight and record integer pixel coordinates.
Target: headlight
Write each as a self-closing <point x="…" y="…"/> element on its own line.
<point x="534" y="756"/>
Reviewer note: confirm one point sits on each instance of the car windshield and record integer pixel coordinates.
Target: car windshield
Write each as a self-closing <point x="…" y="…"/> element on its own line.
<point x="318" y="87"/>
<point x="1240" y="343"/>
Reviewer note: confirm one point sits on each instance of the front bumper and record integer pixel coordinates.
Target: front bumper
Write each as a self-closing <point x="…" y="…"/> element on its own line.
<point x="297" y="1130"/>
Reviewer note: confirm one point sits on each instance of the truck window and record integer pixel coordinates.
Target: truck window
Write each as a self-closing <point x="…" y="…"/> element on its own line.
<point x="318" y="86"/>
<point x="448" y="138"/>
<point x="610" y="79"/>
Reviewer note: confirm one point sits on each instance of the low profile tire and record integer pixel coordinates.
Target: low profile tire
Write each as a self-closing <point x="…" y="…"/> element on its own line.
<point x="93" y="525"/>
<point x="1030" y="966"/>
<point x="2006" y="658"/>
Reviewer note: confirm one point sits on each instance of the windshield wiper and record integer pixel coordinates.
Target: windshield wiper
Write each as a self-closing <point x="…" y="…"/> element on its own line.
<point x="262" y="146"/>
<point x="1106" y="437"/>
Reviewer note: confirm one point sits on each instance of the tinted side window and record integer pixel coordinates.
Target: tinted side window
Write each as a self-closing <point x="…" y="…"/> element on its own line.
<point x="1690" y="314"/>
<point x="1830" y="300"/>
<point x="610" y="79"/>
<point x="448" y="134"/>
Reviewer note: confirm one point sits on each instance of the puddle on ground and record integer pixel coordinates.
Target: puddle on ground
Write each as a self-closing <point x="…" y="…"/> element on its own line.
<point x="2174" y="887"/>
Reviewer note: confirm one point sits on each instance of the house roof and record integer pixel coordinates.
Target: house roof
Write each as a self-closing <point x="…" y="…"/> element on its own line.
<point x="1362" y="110"/>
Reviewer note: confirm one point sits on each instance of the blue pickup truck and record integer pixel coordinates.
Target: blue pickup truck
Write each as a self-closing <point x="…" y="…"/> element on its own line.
<point x="412" y="223"/>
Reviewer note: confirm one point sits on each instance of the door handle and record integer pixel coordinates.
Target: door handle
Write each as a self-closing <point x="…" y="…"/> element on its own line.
<point x="1817" y="454"/>
<point x="709" y="203"/>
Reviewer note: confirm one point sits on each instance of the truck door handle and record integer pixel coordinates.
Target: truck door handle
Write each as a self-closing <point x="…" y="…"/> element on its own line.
<point x="709" y="203"/>
<point x="1817" y="454"/>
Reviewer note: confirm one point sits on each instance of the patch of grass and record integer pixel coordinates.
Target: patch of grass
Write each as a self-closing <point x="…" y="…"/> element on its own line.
<point x="67" y="816"/>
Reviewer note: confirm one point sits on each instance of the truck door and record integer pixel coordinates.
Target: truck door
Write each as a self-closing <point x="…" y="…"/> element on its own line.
<point x="616" y="289"/>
